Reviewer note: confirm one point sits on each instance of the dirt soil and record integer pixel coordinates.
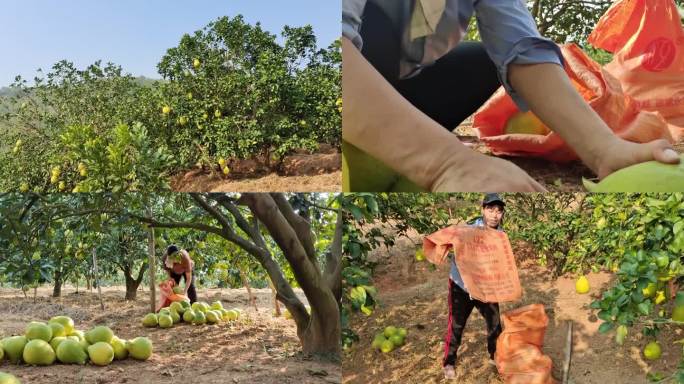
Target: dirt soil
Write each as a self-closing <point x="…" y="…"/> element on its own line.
<point x="258" y="348"/>
<point x="554" y="177"/>
<point x="414" y="295"/>
<point x="298" y="172"/>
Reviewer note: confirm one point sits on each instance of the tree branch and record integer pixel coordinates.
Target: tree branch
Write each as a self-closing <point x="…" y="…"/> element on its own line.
<point x="301" y="227"/>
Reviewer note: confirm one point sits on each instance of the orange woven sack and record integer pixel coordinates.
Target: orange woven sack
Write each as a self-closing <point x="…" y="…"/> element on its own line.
<point x="519" y="358"/>
<point x="166" y="294"/>
<point x="648" y="41"/>
<point x="600" y="89"/>
<point x="484" y="259"/>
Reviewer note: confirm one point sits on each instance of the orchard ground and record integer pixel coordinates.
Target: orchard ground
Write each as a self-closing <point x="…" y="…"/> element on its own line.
<point x="555" y="177"/>
<point x="414" y="295"/>
<point x="258" y="348"/>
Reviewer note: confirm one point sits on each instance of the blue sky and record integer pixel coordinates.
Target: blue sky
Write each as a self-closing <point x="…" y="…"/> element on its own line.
<point x="134" y="33"/>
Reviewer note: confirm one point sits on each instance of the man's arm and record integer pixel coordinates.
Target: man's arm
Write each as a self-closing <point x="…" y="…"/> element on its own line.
<point x="381" y="122"/>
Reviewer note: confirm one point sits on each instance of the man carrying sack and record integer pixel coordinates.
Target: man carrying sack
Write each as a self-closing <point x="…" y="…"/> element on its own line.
<point x="483" y="273"/>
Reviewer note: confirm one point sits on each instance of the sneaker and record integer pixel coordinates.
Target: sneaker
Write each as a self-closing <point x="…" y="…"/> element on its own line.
<point x="449" y="372"/>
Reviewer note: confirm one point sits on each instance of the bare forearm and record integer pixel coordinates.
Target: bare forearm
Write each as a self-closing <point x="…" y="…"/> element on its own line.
<point x="551" y="96"/>
<point x="381" y="122"/>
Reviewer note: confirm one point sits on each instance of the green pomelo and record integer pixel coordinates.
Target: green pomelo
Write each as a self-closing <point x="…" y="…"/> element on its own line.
<point x="232" y="315"/>
<point x="216" y="305"/>
<point x="397" y="340"/>
<point x="66" y="322"/>
<point x="150" y="320"/>
<point x="165" y="321"/>
<point x="189" y="316"/>
<point x="71" y="352"/>
<point x="389" y="331"/>
<point x="38" y="331"/>
<point x="14" y="347"/>
<point x="200" y="318"/>
<point x="6" y="378"/>
<point x="177" y="307"/>
<point x="175" y="317"/>
<point x="651" y="176"/>
<point x="38" y="352"/>
<point x="185" y="304"/>
<point x="386" y="346"/>
<point x="119" y="347"/>
<point x="140" y="348"/>
<point x="212" y="317"/>
<point x="77" y="333"/>
<point x="99" y="334"/>
<point x="57" y="329"/>
<point x="54" y="343"/>
<point x="101" y="353"/>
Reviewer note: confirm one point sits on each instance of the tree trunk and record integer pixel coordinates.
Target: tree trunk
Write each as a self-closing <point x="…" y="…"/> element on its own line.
<point x="132" y="283"/>
<point x="99" y="289"/>
<point x="245" y="281"/>
<point x="57" y="289"/>
<point x="152" y="266"/>
<point x="276" y="305"/>
<point x="321" y="335"/>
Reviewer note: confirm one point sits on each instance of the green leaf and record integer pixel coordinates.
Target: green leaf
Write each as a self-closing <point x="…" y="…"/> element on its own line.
<point x="644" y="308"/>
<point x="606" y="327"/>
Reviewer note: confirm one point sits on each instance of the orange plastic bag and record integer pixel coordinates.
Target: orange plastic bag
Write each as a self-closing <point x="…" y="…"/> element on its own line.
<point x="484" y="259"/>
<point x="648" y="41"/>
<point x="166" y="294"/>
<point x="519" y="358"/>
<point x="602" y="92"/>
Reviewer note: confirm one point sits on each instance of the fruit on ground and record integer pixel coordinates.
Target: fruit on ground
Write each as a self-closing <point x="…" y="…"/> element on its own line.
<point x="526" y="123"/>
<point x="57" y="329"/>
<point x="101" y="353"/>
<point x="14" y="347"/>
<point x="150" y="320"/>
<point x="175" y="317"/>
<point x="177" y="307"/>
<point x="378" y="340"/>
<point x="582" y="285"/>
<point x="389" y="331"/>
<point x="71" y="352"/>
<point x="99" y="334"/>
<point x="651" y="176"/>
<point x="216" y="305"/>
<point x="387" y="346"/>
<point x="212" y="317"/>
<point x="119" y="347"/>
<point x="38" y="352"/>
<point x="165" y="321"/>
<point x="37" y="330"/>
<point x="200" y="318"/>
<point x="652" y="351"/>
<point x="232" y="315"/>
<point x="139" y="348"/>
<point x="397" y="340"/>
<point x="66" y="322"/>
<point x="6" y="378"/>
<point x="678" y="313"/>
<point x="403" y="332"/>
<point x="56" y="341"/>
<point x="189" y="316"/>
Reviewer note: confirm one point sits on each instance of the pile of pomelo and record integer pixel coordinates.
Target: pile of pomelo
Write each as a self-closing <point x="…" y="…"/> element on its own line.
<point x="60" y="341"/>
<point x="198" y="313"/>
<point x="389" y="339"/>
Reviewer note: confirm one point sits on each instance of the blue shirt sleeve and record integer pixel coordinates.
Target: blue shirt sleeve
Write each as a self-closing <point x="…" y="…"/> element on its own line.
<point x="510" y="36"/>
<point x="352" y="10"/>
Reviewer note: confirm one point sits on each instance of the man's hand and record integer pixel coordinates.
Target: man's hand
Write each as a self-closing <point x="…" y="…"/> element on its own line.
<point x="485" y="173"/>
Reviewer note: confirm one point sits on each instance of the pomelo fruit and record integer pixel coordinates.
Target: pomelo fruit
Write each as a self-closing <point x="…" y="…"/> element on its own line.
<point x="166" y="110"/>
<point x="101" y="353"/>
<point x="651" y="176"/>
<point x="65" y="321"/>
<point x="189" y="316"/>
<point x="212" y="317"/>
<point x="14" y="347"/>
<point x="660" y="297"/>
<point x="402" y="332"/>
<point x="150" y="320"/>
<point x="54" y="343"/>
<point x="196" y="63"/>
<point x="678" y="313"/>
<point x="420" y="256"/>
<point x="57" y="329"/>
<point x="177" y="307"/>
<point x="386" y="346"/>
<point x="397" y="340"/>
<point x="652" y="351"/>
<point x="37" y="330"/>
<point x="99" y="334"/>
<point x="165" y="321"/>
<point x="200" y="318"/>
<point x="650" y="290"/>
<point x="6" y="378"/>
<point x="525" y="123"/>
<point x="389" y="331"/>
<point x="140" y="348"/>
<point x="77" y="333"/>
<point x="362" y="172"/>
<point x="582" y="285"/>
<point x="38" y="352"/>
<point x="185" y="304"/>
<point x="216" y="305"/>
<point x="196" y="306"/>
<point x="164" y="311"/>
<point x="232" y="315"/>
<point x="378" y="340"/>
<point x="224" y="314"/>
<point x="175" y="317"/>
<point x="74" y="338"/>
<point x="71" y="352"/>
<point x="119" y="347"/>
